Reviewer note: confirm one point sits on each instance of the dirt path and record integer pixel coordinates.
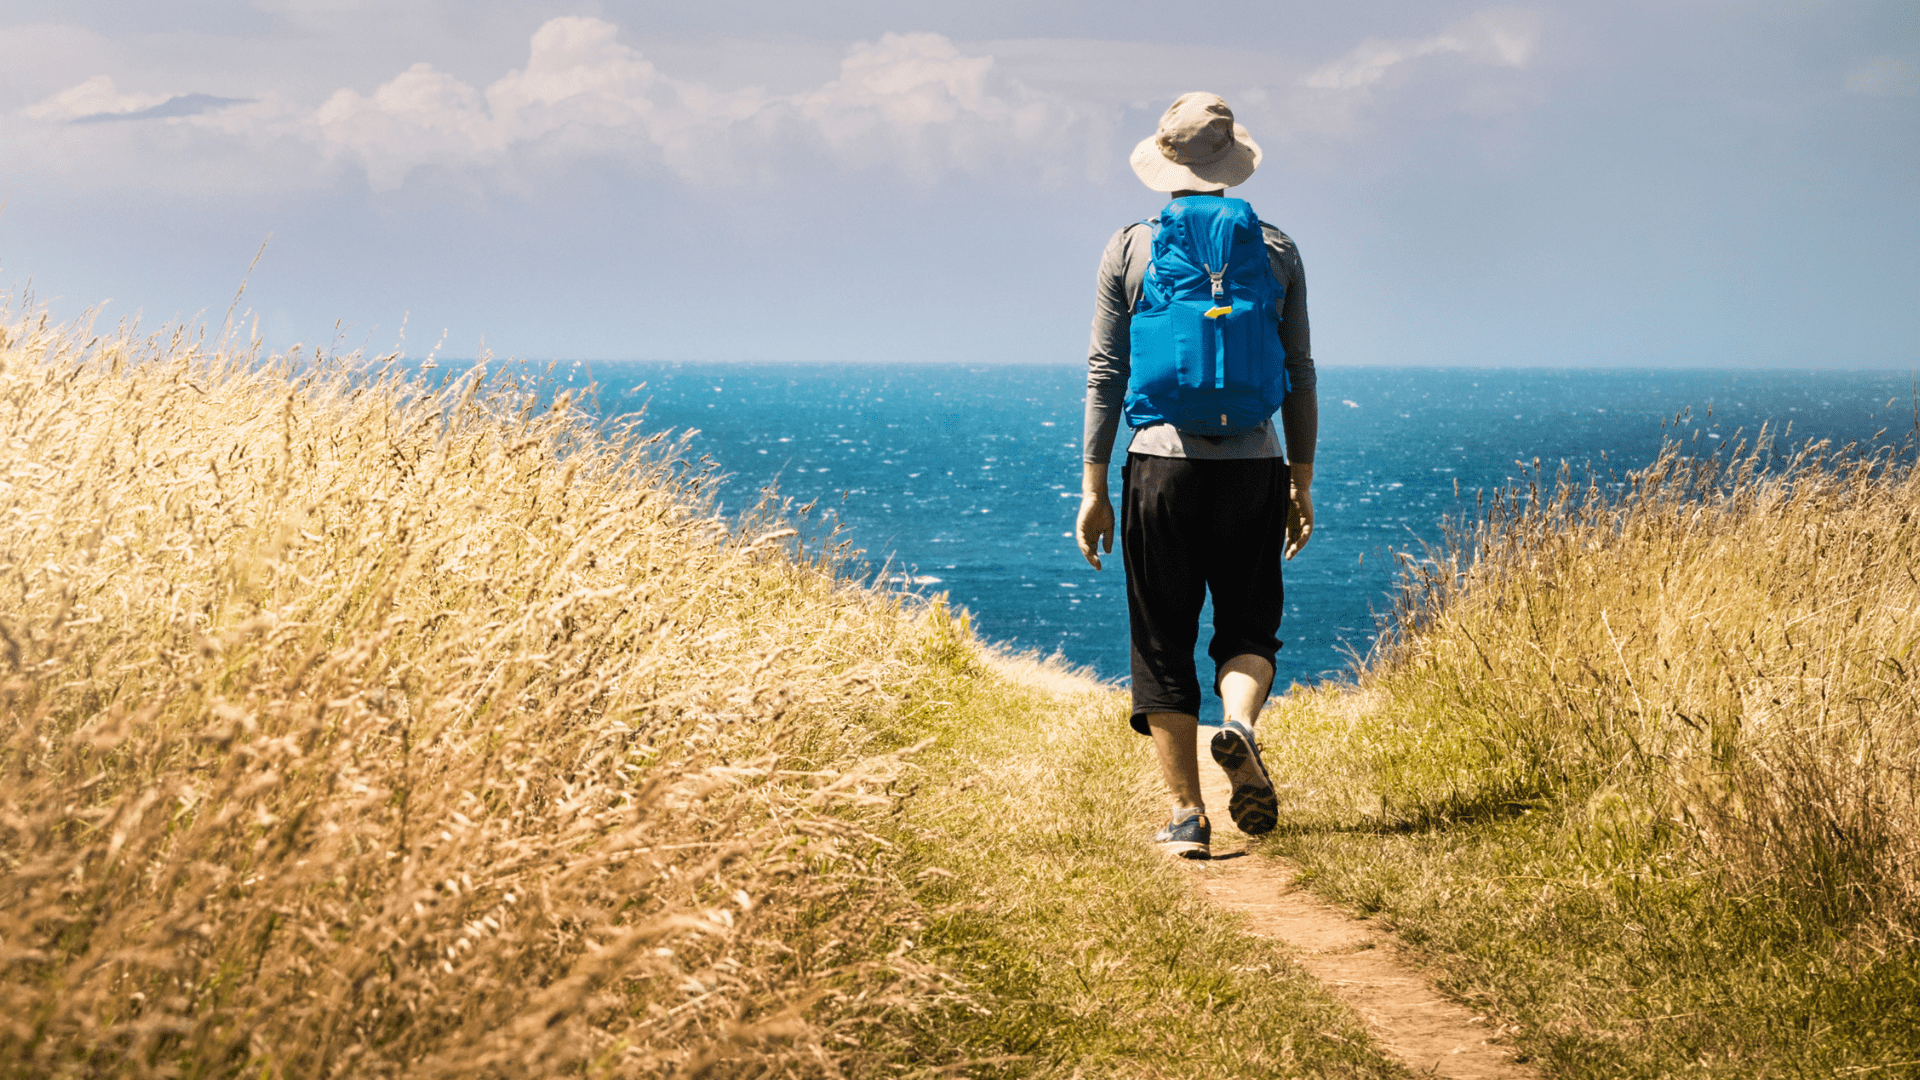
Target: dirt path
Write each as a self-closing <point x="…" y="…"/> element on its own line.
<point x="1357" y="960"/>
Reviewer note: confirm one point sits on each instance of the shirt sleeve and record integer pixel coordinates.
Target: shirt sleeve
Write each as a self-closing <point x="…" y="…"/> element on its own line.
<point x="1109" y="352"/>
<point x="1300" y="412"/>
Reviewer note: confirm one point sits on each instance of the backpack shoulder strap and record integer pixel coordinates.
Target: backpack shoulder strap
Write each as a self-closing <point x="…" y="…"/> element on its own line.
<point x="1277" y="244"/>
<point x="1137" y="268"/>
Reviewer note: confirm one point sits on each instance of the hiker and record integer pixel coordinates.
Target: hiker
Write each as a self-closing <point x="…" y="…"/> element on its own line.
<point x="1186" y="347"/>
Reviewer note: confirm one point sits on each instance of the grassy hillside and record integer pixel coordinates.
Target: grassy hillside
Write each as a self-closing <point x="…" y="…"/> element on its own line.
<point x="1641" y="770"/>
<point x="355" y="726"/>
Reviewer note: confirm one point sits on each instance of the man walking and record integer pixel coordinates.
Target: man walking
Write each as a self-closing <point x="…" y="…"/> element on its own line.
<point x="1186" y="347"/>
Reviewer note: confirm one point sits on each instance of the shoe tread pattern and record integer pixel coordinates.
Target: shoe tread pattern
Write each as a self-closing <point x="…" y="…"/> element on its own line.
<point x="1253" y="805"/>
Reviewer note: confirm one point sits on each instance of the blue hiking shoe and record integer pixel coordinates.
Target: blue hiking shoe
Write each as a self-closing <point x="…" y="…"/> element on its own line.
<point x="1252" y="806"/>
<point x="1187" y="835"/>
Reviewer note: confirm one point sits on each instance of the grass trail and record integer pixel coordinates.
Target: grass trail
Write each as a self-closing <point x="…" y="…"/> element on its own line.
<point x="1089" y="952"/>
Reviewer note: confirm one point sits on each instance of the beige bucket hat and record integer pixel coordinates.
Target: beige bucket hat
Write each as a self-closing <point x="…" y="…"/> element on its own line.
<point x="1198" y="148"/>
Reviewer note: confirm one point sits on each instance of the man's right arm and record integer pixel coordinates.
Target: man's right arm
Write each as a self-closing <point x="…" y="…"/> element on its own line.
<point x="1093" y="526"/>
<point x="1108" y="358"/>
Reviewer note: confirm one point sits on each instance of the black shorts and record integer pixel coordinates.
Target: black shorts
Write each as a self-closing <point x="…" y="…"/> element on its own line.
<point x="1188" y="527"/>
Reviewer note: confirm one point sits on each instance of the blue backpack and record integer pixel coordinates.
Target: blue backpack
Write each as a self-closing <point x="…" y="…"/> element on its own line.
<point x="1206" y="351"/>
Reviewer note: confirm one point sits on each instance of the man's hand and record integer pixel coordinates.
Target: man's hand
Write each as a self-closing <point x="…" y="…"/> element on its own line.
<point x="1299" y="510"/>
<point x="1094" y="526"/>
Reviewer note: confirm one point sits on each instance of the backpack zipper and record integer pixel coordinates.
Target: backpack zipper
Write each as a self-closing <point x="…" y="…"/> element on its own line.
<point x="1219" y="293"/>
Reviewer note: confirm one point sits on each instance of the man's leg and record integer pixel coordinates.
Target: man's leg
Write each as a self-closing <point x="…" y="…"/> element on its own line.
<point x="1243" y="574"/>
<point x="1173" y="743"/>
<point x="1187" y="832"/>
<point x="1253" y="804"/>
<point x="1245" y="682"/>
<point x="1162" y="523"/>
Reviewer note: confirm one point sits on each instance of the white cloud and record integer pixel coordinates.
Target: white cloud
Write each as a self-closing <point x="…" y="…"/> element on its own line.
<point x="577" y="61"/>
<point x="423" y="116"/>
<point x="1504" y="38"/>
<point x="95" y="97"/>
<point x="1367" y="64"/>
<point x="916" y="99"/>
<point x="577" y="76"/>
<point x="911" y="102"/>
<point x="903" y="81"/>
<point x="1885" y="76"/>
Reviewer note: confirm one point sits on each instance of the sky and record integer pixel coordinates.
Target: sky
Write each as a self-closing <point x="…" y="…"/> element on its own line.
<point x="1679" y="183"/>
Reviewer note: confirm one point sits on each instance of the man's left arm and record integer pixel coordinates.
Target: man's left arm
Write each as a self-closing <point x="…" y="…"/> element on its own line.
<point x="1300" y="412"/>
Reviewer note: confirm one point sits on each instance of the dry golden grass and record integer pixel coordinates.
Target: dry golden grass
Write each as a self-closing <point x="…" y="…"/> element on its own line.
<point x="357" y="728"/>
<point x="1638" y="768"/>
<point x="1721" y="663"/>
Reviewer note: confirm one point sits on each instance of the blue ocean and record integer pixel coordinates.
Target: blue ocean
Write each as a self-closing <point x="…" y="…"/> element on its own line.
<point x="965" y="481"/>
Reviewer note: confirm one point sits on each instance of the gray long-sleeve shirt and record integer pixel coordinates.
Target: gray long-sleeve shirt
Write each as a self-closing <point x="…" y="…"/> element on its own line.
<point x="1117" y="294"/>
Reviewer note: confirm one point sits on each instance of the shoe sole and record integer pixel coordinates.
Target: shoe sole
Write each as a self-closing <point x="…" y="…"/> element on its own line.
<point x="1186" y="849"/>
<point x="1252" y="806"/>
